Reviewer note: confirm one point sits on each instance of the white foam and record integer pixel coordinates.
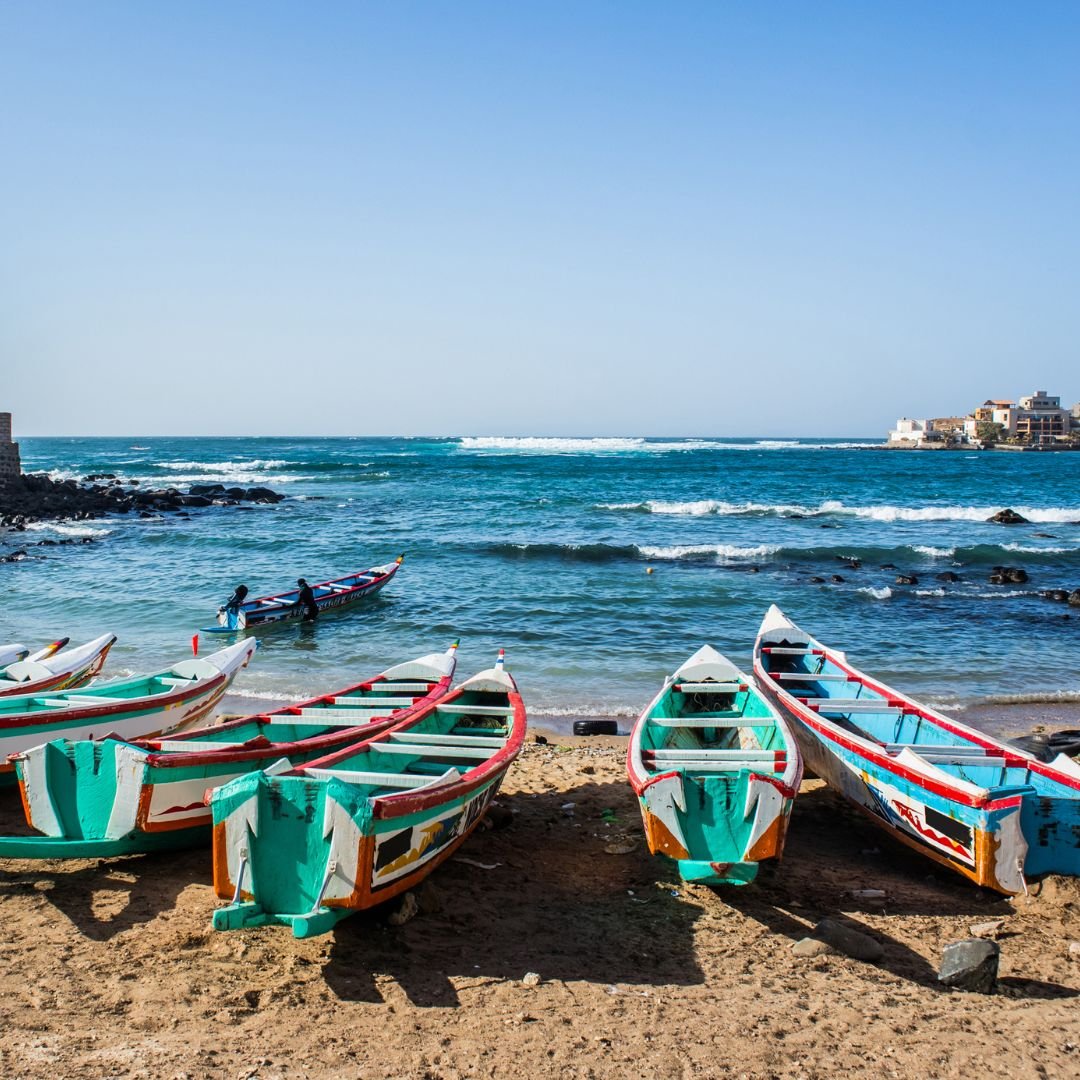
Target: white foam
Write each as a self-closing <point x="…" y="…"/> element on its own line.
<point x="548" y="445"/>
<point x="1031" y="550"/>
<point x="929" y="592"/>
<point x="224" y="466"/>
<point x="721" y="551"/>
<point x="877" y="594"/>
<point x="68" y="530"/>
<point x="705" y="507"/>
<point x="945" y="513"/>
<point x="933" y="552"/>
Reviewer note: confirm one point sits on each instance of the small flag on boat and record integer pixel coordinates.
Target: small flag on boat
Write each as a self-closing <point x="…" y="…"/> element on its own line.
<point x="195" y="645"/>
<point x="500" y="660"/>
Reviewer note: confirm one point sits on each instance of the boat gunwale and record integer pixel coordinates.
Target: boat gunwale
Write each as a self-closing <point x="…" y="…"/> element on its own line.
<point x="70" y="679"/>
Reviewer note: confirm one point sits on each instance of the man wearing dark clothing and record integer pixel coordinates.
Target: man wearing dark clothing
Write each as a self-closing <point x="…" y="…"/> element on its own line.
<point x="306" y="600"/>
<point x="233" y="605"/>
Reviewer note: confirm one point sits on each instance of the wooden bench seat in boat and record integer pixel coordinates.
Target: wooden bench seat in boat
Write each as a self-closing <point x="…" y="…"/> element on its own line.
<point x="884" y="709"/>
<point x="170" y="680"/>
<point x="419" y="738"/>
<point x="715" y="755"/>
<point x="478" y="753"/>
<point x="796" y="676"/>
<point x="405" y="781"/>
<point x="699" y="764"/>
<point x="326" y="718"/>
<point x="489" y="731"/>
<point x="788" y="650"/>
<point x="711" y="721"/>
<point x="711" y="688"/>
<point x="81" y="701"/>
<point x="368" y="702"/>
<point x="401" y="688"/>
<point x="476" y="710"/>
<point x="183" y="745"/>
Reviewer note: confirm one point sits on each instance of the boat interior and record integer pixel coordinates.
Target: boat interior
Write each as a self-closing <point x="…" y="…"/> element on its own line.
<point x="458" y="735"/>
<point x="362" y="705"/>
<point x="896" y="724"/>
<point x="712" y="727"/>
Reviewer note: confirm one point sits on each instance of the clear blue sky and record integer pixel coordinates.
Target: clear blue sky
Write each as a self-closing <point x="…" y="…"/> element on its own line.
<point x="625" y="218"/>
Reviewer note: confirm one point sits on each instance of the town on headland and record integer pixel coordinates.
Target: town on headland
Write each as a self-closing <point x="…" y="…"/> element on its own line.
<point x="1034" y="422"/>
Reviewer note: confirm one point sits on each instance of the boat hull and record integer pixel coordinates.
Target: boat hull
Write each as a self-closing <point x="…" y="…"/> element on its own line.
<point x="980" y="807"/>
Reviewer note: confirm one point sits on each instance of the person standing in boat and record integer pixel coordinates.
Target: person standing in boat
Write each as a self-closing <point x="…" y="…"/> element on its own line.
<point x="233" y="605"/>
<point x="306" y="600"/>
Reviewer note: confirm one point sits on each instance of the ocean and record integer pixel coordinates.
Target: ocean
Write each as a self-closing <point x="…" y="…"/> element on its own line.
<point x="542" y="545"/>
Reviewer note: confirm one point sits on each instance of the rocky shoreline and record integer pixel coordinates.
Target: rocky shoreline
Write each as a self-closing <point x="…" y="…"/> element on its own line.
<point x="39" y="498"/>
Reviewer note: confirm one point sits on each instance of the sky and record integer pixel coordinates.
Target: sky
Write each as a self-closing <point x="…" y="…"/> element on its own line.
<point x="528" y="219"/>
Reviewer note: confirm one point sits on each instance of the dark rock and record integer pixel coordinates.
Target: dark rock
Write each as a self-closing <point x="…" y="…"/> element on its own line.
<point x="1008" y="575"/>
<point x="947" y="575"/>
<point x="206" y="489"/>
<point x="817" y="581"/>
<point x="1059" y="595"/>
<point x="887" y="566"/>
<point x="1074" y="598"/>
<point x="906" y="579"/>
<point x="837" y="579"/>
<point x="970" y="965"/>
<point x="99" y="476"/>
<point x="849" y="941"/>
<point x="195" y="500"/>
<point x="1008" y="517"/>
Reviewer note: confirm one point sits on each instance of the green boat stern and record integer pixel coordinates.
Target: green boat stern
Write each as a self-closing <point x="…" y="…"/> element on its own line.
<point x="698" y="872"/>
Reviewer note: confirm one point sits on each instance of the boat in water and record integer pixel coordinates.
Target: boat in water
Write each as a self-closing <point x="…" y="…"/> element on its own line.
<point x="285" y="606"/>
<point x="716" y="770"/>
<point x="117" y="796"/>
<point x="128" y="708"/>
<point x="980" y="806"/>
<point x="354" y="829"/>
<point x="62" y="669"/>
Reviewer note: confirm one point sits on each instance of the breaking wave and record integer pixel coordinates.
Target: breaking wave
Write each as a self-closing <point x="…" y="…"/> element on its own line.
<point x="877" y="594"/>
<point x="68" y="530"/>
<point x="720" y="551"/>
<point x="833" y="507"/>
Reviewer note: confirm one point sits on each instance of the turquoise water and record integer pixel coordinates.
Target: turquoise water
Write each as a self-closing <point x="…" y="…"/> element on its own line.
<point x="542" y="546"/>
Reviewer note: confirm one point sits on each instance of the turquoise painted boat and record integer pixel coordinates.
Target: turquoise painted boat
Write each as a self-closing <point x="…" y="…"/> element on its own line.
<point x="115" y="796"/>
<point x="716" y="770"/>
<point x="56" y="669"/>
<point x="980" y="806"/>
<point x="354" y="829"/>
<point x="129" y="708"/>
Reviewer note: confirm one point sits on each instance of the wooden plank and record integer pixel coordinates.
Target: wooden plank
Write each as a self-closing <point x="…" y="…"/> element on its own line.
<point x="716" y="755"/>
<point x="477" y="710"/>
<point x="714" y="722"/>
<point x="711" y="688"/>
<point x="420" y="739"/>
<point x="401" y="780"/>
<point x="368" y="702"/>
<point x="476" y="754"/>
<point x="795" y="676"/>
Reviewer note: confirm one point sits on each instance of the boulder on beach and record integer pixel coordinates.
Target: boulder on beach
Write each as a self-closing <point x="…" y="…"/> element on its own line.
<point x="1008" y="516"/>
<point x="970" y="965"/>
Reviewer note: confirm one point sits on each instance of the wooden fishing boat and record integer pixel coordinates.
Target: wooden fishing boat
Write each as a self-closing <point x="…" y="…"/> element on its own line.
<point x="716" y="770"/>
<point x="354" y="829"/>
<point x="985" y="809"/>
<point x="115" y="797"/>
<point x="61" y="670"/>
<point x="283" y="606"/>
<point x="146" y="705"/>
<point x="12" y="654"/>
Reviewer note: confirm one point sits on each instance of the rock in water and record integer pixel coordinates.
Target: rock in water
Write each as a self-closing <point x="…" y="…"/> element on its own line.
<point x="948" y="575"/>
<point x="1074" y="598"/>
<point x="848" y="941"/>
<point x="906" y="579"/>
<point x="970" y="965"/>
<point x="1008" y="516"/>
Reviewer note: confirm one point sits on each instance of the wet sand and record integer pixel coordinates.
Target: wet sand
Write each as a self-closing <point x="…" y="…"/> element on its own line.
<point x="111" y="968"/>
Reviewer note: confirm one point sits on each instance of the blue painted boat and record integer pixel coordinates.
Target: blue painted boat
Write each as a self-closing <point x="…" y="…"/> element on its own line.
<point x="979" y="806"/>
<point x="284" y="606"/>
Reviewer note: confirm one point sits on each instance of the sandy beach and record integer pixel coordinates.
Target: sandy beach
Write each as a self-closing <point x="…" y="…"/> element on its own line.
<point x="112" y="969"/>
